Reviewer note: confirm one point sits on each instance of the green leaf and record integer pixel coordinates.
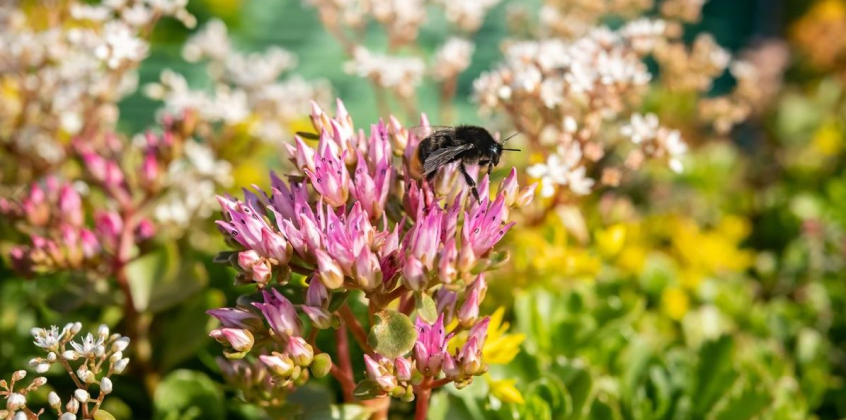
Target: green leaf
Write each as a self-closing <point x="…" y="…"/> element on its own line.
<point x="392" y="335"/>
<point x="183" y="331"/>
<point x="367" y="389"/>
<point x="185" y="394"/>
<point x="338" y="299"/>
<point x="426" y="308"/>
<point x="159" y="281"/>
<point x="103" y="415"/>
<point x="714" y="374"/>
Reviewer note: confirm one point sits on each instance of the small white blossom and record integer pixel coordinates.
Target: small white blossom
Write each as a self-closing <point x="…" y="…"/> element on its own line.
<point x="81" y="395"/>
<point x="15" y="402"/>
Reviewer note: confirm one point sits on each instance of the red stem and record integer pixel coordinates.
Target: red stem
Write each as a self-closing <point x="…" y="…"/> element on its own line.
<point x="343" y="371"/>
<point x="421" y="408"/>
<point x="355" y="327"/>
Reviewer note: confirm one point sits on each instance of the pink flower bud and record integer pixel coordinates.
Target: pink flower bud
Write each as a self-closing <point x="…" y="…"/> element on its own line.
<point x="450" y="369"/>
<point x="70" y="206"/>
<point x="145" y="230"/>
<point x="317" y="294"/>
<point x="239" y="339"/>
<point x="368" y="273"/>
<point x="446" y="264"/>
<point x="279" y="364"/>
<point x="475" y="294"/>
<point x="526" y="195"/>
<point x="274" y="245"/>
<point x="378" y="373"/>
<point x="236" y="318"/>
<point x="508" y="188"/>
<point x="150" y="169"/>
<point x="247" y="259"/>
<point x="262" y="272"/>
<point x="279" y="313"/>
<point x="329" y="271"/>
<point x="403" y="368"/>
<point x="320" y="317"/>
<point x="414" y="274"/>
<point x="300" y="351"/>
<point x="90" y="245"/>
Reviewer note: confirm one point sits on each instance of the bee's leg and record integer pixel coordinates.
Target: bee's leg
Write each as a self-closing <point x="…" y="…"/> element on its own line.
<point x="490" y="167"/>
<point x="470" y="182"/>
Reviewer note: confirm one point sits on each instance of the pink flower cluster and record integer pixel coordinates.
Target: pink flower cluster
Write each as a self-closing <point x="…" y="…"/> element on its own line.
<point x="352" y="219"/>
<point x="71" y="231"/>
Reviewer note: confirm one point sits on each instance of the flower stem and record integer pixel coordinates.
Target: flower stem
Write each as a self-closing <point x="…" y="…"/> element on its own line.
<point x="421" y="408"/>
<point x="355" y="327"/>
<point x="343" y="371"/>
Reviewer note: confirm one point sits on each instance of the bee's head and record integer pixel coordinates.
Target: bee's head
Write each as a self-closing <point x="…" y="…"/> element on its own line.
<point x="494" y="153"/>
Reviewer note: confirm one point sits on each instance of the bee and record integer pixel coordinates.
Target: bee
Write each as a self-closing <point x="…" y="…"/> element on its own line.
<point x="466" y="144"/>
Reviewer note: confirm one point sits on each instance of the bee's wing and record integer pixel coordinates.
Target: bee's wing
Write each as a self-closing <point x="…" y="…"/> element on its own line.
<point x="441" y="157"/>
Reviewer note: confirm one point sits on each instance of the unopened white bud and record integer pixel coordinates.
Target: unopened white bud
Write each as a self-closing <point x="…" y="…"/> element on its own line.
<point x="106" y="386"/>
<point x="67" y="416"/>
<point x="51" y="357"/>
<point x="120" y="344"/>
<point x="89" y="378"/>
<point x="70" y="355"/>
<point x="121" y="365"/>
<point x="72" y="405"/>
<point x="15" y="402"/>
<point x="42" y="367"/>
<point x="81" y="395"/>
<point x="34" y="362"/>
<point x="103" y="331"/>
<point x="54" y="400"/>
<point x="20" y="415"/>
<point x="77" y="327"/>
<point x="82" y="371"/>
<point x="39" y="381"/>
<point x="18" y="375"/>
<point x="99" y="351"/>
<point x="116" y="356"/>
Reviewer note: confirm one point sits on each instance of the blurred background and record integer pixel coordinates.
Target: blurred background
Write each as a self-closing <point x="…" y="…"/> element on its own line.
<point x="718" y="293"/>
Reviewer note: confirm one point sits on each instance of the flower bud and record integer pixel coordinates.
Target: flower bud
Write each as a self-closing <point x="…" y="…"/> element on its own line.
<point x="15" y="402"/>
<point x="51" y="357"/>
<point x="120" y="365"/>
<point x="508" y="188"/>
<point x="247" y="259"/>
<point x="72" y="406"/>
<point x="414" y="274"/>
<point x="320" y="318"/>
<point x="469" y="311"/>
<point x="81" y="395"/>
<point x="329" y="271"/>
<point x="239" y="339"/>
<point x="449" y="367"/>
<point x="300" y="351"/>
<point x="20" y="415"/>
<point x="39" y="381"/>
<point x="18" y="375"/>
<point x="317" y="294"/>
<point x="67" y="416"/>
<point x="116" y="356"/>
<point x="42" y="367"/>
<point x="120" y="344"/>
<point x="76" y="328"/>
<point x="321" y="365"/>
<point x="106" y="386"/>
<point x="279" y="364"/>
<point x="403" y="369"/>
<point x="70" y="206"/>
<point x="262" y="273"/>
<point x="150" y="170"/>
<point x="70" y="355"/>
<point x="54" y="400"/>
<point x="526" y="195"/>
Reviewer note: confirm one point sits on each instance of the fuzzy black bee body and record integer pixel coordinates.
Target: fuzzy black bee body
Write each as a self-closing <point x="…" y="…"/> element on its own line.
<point x="467" y="144"/>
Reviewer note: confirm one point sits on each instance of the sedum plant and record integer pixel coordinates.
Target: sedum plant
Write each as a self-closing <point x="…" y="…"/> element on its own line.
<point x="90" y="362"/>
<point x="350" y="243"/>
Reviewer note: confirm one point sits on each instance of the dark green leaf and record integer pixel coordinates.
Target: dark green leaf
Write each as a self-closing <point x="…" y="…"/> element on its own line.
<point x="185" y="393"/>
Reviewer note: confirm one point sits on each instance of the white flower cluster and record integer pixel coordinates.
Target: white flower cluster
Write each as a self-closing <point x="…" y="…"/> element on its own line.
<point x="571" y="98"/>
<point x="60" y="80"/>
<point x="575" y="18"/>
<point x="192" y="182"/>
<point x="468" y="15"/>
<point x="452" y="58"/>
<point x="97" y="356"/>
<point x="401" y="75"/>
<point x="247" y="86"/>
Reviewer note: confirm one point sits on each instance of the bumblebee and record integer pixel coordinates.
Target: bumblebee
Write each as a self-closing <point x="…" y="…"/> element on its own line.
<point x="466" y="144"/>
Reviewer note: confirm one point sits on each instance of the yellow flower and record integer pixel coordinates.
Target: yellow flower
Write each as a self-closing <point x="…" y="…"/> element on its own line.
<point x="504" y="389"/>
<point x="610" y="241"/>
<point x="500" y="348"/>
<point x="828" y="139"/>
<point x="675" y="302"/>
